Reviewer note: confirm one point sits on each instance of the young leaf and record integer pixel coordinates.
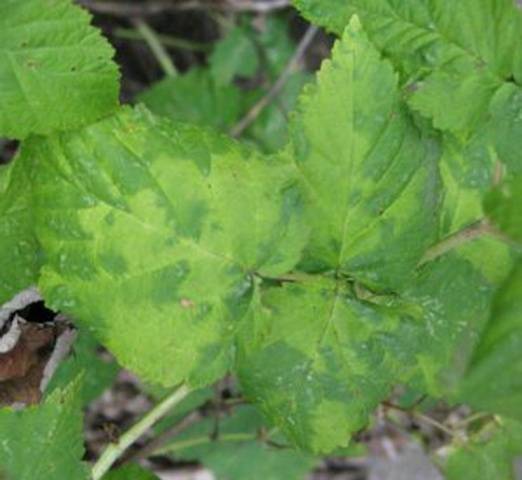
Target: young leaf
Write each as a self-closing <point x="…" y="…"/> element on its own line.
<point x="278" y="47"/>
<point x="370" y="176"/>
<point x="196" y="98"/>
<point x="237" y="453"/>
<point x="152" y="232"/>
<point x="19" y="259"/>
<point x="56" y="71"/>
<point x="493" y="381"/>
<point x="234" y="55"/>
<point x="505" y="127"/>
<point x="460" y="51"/>
<point x="45" y="441"/>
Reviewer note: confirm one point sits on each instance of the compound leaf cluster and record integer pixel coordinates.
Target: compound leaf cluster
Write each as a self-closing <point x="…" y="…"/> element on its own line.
<point x="453" y="55"/>
<point x="381" y="246"/>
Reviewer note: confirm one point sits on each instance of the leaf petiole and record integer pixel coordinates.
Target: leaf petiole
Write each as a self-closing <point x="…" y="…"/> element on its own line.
<point x="115" y="450"/>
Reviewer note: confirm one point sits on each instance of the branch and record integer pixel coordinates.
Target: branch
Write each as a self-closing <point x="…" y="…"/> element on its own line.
<point x="205" y="439"/>
<point x="166" y="40"/>
<point x="156" y="47"/>
<point x="254" y="112"/>
<point x="158" y="442"/>
<point x="420" y="416"/>
<point x="115" y="450"/>
<point x="143" y="9"/>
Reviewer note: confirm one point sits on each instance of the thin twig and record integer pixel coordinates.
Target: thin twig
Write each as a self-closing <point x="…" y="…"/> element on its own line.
<point x="466" y="235"/>
<point x="143" y="9"/>
<point x="472" y="418"/>
<point x="166" y="40"/>
<point x="158" y="442"/>
<point x="115" y="450"/>
<point x="205" y="439"/>
<point x="254" y="112"/>
<point x="421" y="417"/>
<point x="260" y="436"/>
<point x="257" y="6"/>
<point x="158" y="50"/>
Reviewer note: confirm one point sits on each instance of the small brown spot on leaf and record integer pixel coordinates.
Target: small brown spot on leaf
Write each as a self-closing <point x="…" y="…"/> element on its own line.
<point x="186" y="303"/>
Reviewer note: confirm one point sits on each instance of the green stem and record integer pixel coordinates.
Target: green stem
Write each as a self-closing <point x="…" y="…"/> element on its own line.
<point x="421" y="416"/>
<point x="472" y="418"/>
<point x="204" y="439"/>
<point x="161" y="55"/>
<point x="224" y="437"/>
<point x="166" y="40"/>
<point x="297" y="277"/>
<point x="115" y="450"/>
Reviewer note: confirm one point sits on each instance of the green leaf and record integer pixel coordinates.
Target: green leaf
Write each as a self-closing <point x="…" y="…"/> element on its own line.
<point x="467" y="169"/>
<point x="98" y="374"/>
<point x="273" y="37"/>
<point x="460" y="52"/>
<point x="306" y="358"/>
<point x="270" y="129"/>
<point x="503" y="207"/>
<point x="237" y="453"/>
<point x="333" y="15"/>
<point x="234" y="55"/>
<point x="317" y="359"/>
<point x="152" y="232"/>
<point x="45" y="442"/>
<point x="370" y="176"/>
<point x="500" y="137"/>
<point x="196" y="98"/>
<point x="488" y="454"/>
<point x="56" y="70"/>
<point x="450" y="299"/>
<point x="505" y="127"/>
<point x="455" y="101"/>
<point x="130" y="472"/>
<point x="19" y="258"/>
<point x="493" y="381"/>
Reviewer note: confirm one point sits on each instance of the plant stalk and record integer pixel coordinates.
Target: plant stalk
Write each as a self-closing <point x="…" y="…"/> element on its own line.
<point x="155" y="45"/>
<point x="166" y="40"/>
<point x="115" y="450"/>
